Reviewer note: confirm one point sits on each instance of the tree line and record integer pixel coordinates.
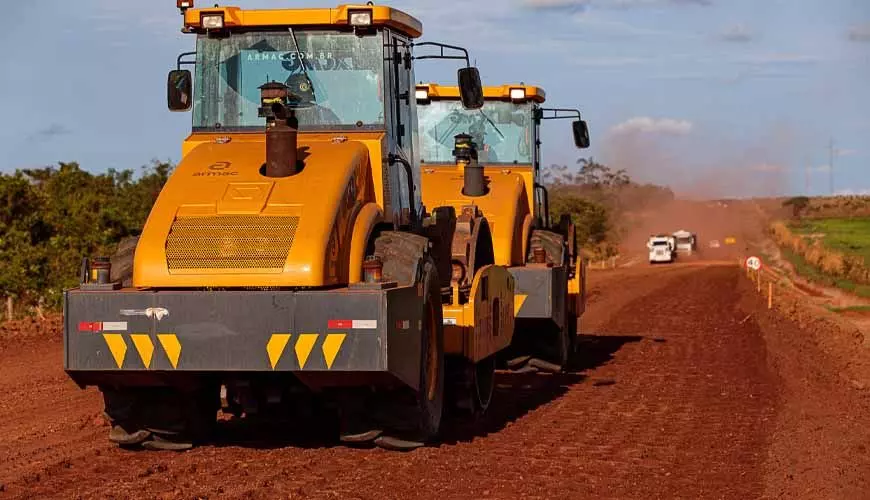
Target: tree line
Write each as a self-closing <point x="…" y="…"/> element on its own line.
<point x="599" y="199"/>
<point x="52" y="217"/>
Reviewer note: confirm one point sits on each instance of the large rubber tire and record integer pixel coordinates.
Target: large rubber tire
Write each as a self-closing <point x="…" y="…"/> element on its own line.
<point x="470" y="386"/>
<point x="122" y="261"/>
<point x="430" y="397"/>
<point x="406" y="261"/>
<point x="161" y="418"/>
<point x="556" y="345"/>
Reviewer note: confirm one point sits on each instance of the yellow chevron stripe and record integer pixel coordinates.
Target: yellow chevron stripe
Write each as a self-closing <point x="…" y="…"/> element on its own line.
<point x="172" y="346"/>
<point x="117" y="346"/>
<point x="519" y="300"/>
<point x="331" y="346"/>
<point x="275" y="347"/>
<point x="304" y="345"/>
<point x="144" y="346"/>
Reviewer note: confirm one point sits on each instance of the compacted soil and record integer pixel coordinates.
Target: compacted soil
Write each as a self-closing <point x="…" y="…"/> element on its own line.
<point x="685" y="386"/>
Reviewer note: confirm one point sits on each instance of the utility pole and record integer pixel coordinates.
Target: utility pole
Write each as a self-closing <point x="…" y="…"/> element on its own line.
<point x="807" y="166"/>
<point x="831" y="165"/>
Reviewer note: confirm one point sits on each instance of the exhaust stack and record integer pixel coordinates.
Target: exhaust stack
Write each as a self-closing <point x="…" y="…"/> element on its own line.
<point x="465" y="151"/>
<point x="281" y="131"/>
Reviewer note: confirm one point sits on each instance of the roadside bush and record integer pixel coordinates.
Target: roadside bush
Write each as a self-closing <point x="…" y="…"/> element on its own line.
<point x="52" y="217"/>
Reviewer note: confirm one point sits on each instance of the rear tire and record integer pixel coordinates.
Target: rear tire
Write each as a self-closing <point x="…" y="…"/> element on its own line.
<point x="549" y="342"/>
<point x="470" y="386"/>
<point x="161" y="418"/>
<point x="406" y="261"/>
<point x="122" y="261"/>
<point x="430" y="397"/>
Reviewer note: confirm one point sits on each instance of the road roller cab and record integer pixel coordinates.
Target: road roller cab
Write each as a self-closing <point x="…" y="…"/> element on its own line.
<point x="290" y="249"/>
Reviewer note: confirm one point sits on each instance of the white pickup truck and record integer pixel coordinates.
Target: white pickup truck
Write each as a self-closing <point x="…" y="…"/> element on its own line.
<point x="662" y="248"/>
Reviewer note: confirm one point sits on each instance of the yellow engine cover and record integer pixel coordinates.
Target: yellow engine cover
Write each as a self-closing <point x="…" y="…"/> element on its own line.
<point x="219" y="223"/>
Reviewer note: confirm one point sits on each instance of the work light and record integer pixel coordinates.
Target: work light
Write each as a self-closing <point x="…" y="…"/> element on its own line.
<point x="212" y="21"/>
<point x="518" y="94"/>
<point x="360" y="18"/>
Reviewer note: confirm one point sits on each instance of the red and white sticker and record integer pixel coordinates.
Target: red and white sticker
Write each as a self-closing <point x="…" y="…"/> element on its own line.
<point x="90" y="326"/>
<point x="352" y="324"/>
<point x="403" y="324"/>
<point x="103" y="326"/>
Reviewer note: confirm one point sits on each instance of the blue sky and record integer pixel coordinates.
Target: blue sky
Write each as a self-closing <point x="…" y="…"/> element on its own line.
<point x="714" y="97"/>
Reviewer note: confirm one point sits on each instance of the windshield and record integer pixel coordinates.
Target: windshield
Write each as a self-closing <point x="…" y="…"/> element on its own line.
<point x="345" y="73"/>
<point x="502" y="131"/>
<point x="660" y="244"/>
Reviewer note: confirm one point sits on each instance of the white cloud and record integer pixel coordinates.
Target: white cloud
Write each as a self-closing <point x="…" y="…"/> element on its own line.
<point x="778" y="58"/>
<point x="647" y="125"/>
<point x="737" y="33"/>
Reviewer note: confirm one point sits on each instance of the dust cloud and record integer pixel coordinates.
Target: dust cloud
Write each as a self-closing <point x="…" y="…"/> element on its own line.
<point x="697" y="166"/>
<point x="702" y="171"/>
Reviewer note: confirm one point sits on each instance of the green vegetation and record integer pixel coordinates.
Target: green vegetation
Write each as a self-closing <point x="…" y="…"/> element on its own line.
<point x="52" y="217"/>
<point x="850" y="309"/>
<point x="847" y="235"/>
<point x="815" y="275"/>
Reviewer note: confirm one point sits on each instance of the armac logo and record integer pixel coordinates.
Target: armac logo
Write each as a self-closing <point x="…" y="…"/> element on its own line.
<point x="218" y="169"/>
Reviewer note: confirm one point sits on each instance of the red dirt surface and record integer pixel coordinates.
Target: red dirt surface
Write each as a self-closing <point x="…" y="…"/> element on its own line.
<point x="685" y="387"/>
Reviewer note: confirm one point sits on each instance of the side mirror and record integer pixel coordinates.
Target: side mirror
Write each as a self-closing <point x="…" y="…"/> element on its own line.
<point x="179" y="90"/>
<point x="581" y="134"/>
<point x="470" y="88"/>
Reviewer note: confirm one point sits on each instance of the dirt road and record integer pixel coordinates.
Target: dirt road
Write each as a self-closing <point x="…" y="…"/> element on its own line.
<point x="684" y="388"/>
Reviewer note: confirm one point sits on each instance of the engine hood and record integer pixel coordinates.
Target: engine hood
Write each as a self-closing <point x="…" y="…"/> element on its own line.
<point x="505" y="206"/>
<point x="220" y="223"/>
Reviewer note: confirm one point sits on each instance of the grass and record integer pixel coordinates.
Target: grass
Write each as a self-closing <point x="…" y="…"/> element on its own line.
<point x="850" y="309"/>
<point x="848" y="235"/>
<point x="815" y="275"/>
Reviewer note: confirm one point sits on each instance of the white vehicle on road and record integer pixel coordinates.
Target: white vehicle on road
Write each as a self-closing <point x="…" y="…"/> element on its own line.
<point x="686" y="241"/>
<point x="662" y="248"/>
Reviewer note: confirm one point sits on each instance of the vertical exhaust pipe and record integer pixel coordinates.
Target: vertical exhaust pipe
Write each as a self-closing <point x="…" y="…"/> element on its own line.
<point x="465" y="152"/>
<point x="282" y="128"/>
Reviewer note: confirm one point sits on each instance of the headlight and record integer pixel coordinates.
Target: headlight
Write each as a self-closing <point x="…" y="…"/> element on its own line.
<point x="421" y="95"/>
<point x="518" y="94"/>
<point x="212" y="21"/>
<point x="184" y="4"/>
<point x="360" y="18"/>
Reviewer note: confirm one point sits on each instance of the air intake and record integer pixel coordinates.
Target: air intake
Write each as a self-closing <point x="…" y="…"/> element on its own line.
<point x="230" y="242"/>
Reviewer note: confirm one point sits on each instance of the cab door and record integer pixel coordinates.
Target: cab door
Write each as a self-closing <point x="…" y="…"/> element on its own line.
<point x="403" y="126"/>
